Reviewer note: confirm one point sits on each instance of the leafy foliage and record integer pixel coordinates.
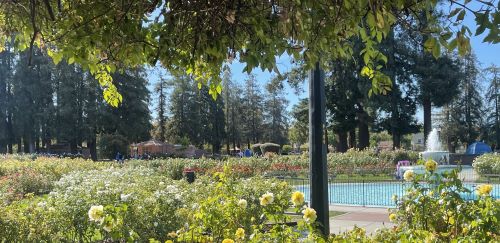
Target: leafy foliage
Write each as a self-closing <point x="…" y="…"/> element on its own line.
<point x="202" y="36"/>
<point x="487" y="164"/>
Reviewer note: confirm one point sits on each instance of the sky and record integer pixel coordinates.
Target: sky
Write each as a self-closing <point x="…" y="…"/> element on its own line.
<point x="487" y="54"/>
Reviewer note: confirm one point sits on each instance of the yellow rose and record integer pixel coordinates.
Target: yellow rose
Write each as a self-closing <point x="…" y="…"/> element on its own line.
<point x="298" y="198"/>
<point x="228" y="241"/>
<point x="430" y="165"/>
<point x="451" y="220"/>
<point x="172" y="234"/>
<point x="240" y="233"/>
<point x="409" y="175"/>
<point x="309" y="214"/>
<point x="266" y="199"/>
<point x="96" y="213"/>
<point x="242" y="203"/>
<point x="392" y="217"/>
<point x="169" y="241"/>
<point x="109" y="225"/>
<point x="484" y="190"/>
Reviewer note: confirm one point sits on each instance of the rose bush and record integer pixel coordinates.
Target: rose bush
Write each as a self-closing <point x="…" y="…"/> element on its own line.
<point x="140" y="202"/>
<point x="487" y="164"/>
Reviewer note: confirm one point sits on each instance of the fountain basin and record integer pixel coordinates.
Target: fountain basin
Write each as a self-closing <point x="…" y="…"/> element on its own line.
<point x="441" y="157"/>
<point x="420" y="169"/>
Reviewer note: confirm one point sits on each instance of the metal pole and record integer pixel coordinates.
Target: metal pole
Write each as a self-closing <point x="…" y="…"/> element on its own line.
<point x="317" y="148"/>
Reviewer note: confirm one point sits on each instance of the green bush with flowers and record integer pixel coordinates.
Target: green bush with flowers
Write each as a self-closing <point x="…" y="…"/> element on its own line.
<point x="140" y="202"/>
<point x="487" y="164"/>
<point x="433" y="209"/>
<point x="146" y="200"/>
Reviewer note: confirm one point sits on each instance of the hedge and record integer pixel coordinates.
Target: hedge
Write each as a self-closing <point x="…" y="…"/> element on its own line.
<point x="270" y="147"/>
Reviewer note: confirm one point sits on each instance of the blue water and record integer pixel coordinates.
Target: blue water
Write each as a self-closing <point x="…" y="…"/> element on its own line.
<point x="377" y="193"/>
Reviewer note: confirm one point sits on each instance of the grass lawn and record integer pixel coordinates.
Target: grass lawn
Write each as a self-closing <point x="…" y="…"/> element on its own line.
<point x="296" y="217"/>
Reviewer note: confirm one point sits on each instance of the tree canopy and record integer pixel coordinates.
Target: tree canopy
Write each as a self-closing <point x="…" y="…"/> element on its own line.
<point x="202" y="36"/>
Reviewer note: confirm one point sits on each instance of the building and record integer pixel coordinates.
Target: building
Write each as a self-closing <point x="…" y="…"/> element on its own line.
<point x="418" y="141"/>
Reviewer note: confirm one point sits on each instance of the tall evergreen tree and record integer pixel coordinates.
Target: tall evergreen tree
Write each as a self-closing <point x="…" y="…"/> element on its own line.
<point x="71" y="93"/>
<point x="6" y="67"/>
<point x="233" y="103"/>
<point x="275" y="114"/>
<point x="160" y="90"/>
<point x="342" y="95"/>
<point x="400" y="103"/>
<point x="32" y="93"/>
<point x="299" y="131"/>
<point x="132" y="118"/>
<point x="463" y="116"/>
<point x="493" y="99"/>
<point x="252" y="113"/>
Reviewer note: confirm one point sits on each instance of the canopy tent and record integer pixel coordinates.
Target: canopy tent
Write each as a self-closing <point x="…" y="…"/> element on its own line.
<point x="478" y="148"/>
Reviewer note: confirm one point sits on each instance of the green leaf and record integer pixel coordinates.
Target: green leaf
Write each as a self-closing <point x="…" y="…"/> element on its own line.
<point x="430" y="43"/>
<point x="454" y="12"/>
<point x="57" y="57"/>
<point x="461" y="15"/>
<point x="71" y="60"/>
<point x="436" y="51"/>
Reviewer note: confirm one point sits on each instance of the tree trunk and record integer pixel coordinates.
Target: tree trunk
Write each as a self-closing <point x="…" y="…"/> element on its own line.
<point x="37" y="144"/>
<point x="19" y="146"/>
<point x="497" y="124"/>
<point x="73" y="147"/>
<point x="363" y="135"/>
<point x="396" y="140"/>
<point x="92" y="144"/>
<point x="352" y="138"/>
<point x="342" y="142"/>
<point x="10" y="134"/>
<point x="426" y="103"/>
<point x="451" y="146"/>
<point x="26" y="144"/>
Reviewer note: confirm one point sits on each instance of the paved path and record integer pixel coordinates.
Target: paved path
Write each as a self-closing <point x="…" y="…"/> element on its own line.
<point x="370" y="219"/>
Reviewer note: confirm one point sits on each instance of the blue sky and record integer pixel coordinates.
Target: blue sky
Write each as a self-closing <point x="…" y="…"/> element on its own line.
<point x="487" y="54"/>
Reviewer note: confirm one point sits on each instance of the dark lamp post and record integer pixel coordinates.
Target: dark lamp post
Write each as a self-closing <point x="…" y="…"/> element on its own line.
<point x="317" y="148"/>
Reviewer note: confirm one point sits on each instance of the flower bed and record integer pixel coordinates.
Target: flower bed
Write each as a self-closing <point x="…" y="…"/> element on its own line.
<point x="131" y="203"/>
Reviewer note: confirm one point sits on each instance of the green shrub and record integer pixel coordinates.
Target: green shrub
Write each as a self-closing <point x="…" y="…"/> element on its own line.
<point x="434" y="209"/>
<point x="487" y="164"/>
<point x="17" y="185"/>
<point x="304" y="147"/>
<point x="286" y="149"/>
<point x="393" y="156"/>
<point x="270" y="147"/>
<point x="256" y="149"/>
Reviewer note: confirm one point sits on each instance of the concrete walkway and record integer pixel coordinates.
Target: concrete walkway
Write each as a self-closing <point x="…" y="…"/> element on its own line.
<point x="370" y="219"/>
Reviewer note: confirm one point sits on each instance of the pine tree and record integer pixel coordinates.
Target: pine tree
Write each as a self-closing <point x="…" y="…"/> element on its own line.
<point x="275" y="114"/>
<point x="160" y="90"/>
<point x="6" y="67"/>
<point x="252" y="113"/>
<point x="32" y="94"/>
<point x="493" y="99"/>
<point x="400" y="103"/>
<point x="342" y="95"/>
<point x="299" y="131"/>
<point x="233" y="105"/>
<point x="463" y="116"/>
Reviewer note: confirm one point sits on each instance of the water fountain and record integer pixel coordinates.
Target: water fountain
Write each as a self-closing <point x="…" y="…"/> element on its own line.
<point x="434" y="149"/>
